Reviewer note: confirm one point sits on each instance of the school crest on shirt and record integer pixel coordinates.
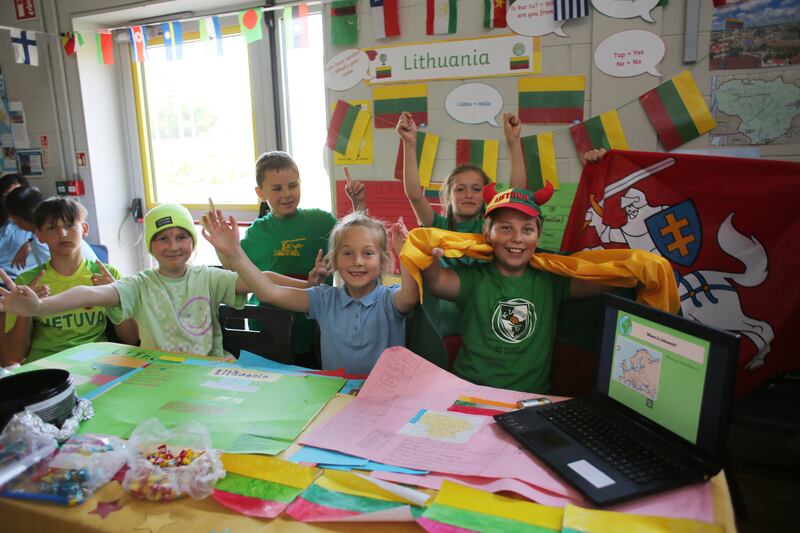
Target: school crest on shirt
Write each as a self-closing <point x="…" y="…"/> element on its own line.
<point x="514" y="320"/>
<point x="290" y="248"/>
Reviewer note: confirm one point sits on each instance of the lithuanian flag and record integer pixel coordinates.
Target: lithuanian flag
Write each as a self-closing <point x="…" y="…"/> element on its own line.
<point x="551" y="99"/>
<point x="540" y="160"/>
<point x="347" y="128"/>
<point x="392" y="100"/>
<point x="578" y="519"/>
<point x="262" y="486"/>
<point x="482" y="154"/>
<point x="677" y="110"/>
<point x="344" y="495"/>
<point x="460" y="508"/>
<point x="427" y="145"/>
<point x="604" y="131"/>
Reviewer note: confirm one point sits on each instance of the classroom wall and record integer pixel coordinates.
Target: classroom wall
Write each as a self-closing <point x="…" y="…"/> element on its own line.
<point x="572" y="55"/>
<point x="81" y="105"/>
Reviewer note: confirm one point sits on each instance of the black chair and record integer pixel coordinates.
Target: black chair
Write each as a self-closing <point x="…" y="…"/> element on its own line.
<point x="273" y="341"/>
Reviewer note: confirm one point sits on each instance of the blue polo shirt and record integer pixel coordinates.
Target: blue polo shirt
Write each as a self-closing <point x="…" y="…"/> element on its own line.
<point x="354" y="332"/>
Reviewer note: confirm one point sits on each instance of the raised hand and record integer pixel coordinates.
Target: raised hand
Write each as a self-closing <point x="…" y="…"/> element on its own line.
<point x="221" y="233"/>
<point x="42" y="291"/>
<point x="321" y="271"/>
<point x="407" y="128"/>
<point x="19" y="300"/>
<point x="593" y="156"/>
<point x="355" y="190"/>
<point x="104" y="277"/>
<point x="21" y="257"/>
<point x="398" y="233"/>
<point x="512" y="127"/>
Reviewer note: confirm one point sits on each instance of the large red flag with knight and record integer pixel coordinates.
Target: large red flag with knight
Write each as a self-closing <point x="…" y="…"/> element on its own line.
<point x="728" y="226"/>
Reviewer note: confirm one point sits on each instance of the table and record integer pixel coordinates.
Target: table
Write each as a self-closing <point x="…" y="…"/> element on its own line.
<point x="207" y="515"/>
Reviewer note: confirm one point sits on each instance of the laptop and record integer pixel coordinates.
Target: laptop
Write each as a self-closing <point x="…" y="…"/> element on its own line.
<point x="657" y="418"/>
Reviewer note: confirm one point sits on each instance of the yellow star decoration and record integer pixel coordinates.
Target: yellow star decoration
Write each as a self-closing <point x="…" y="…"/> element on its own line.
<point x="155" y="522"/>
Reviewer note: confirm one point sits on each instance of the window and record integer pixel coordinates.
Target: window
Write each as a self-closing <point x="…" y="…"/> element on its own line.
<point x="196" y="123"/>
<point x="305" y="127"/>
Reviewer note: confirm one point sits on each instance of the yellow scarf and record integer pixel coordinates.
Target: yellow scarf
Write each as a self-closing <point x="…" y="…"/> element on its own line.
<point x="617" y="268"/>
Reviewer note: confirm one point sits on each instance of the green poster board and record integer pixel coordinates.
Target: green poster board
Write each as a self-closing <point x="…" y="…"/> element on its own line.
<point x="245" y="410"/>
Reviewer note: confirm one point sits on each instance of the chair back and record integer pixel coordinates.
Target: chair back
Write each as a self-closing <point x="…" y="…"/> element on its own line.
<point x="270" y="336"/>
<point x="101" y="252"/>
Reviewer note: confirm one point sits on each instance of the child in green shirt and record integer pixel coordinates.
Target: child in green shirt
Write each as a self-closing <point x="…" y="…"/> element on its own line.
<point x="61" y="224"/>
<point x="290" y="240"/>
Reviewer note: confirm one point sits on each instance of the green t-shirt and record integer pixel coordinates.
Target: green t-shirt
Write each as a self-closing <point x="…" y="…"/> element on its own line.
<point x="508" y="325"/>
<point x="53" y="333"/>
<point x="289" y="246"/>
<point x="178" y="314"/>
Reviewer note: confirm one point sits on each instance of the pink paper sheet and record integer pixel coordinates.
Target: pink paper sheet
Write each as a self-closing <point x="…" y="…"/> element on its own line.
<point x="399" y="386"/>
<point x="694" y="501"/>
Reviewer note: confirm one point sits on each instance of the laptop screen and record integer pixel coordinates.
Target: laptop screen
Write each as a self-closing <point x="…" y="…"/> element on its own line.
<point x="675" y="372"/>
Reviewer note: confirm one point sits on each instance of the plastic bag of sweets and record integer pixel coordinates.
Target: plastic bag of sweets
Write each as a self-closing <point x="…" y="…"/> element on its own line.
<point x="165" y="464"/>
<point x="83" y="464"/>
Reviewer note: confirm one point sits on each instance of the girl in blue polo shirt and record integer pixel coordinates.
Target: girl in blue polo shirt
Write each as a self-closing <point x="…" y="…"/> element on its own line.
<point x="357" y="320"/>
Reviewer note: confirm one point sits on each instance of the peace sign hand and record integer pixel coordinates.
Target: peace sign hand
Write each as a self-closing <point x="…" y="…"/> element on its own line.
<point x="42" y="291"/>
<point x="19" y="300"/>
<point x="321" y="271"/>
<point x="104" y="277"/>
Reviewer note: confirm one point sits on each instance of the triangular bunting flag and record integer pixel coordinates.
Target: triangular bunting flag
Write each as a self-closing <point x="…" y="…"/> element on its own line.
<point x="482" y="154"/>
<point x="26" y="52"/>
<point x="344" y="22"/>
<point x="540" y="160"/>
<point x="211" y="33"/>
<point x="347" y="128"/>
<point x="603" y="131"/>
<point x="677" y="110"/>
<point x="250" y="25"/>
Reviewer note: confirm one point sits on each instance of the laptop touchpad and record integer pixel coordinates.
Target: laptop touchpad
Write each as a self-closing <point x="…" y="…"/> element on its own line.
<point x="546" y="439"/>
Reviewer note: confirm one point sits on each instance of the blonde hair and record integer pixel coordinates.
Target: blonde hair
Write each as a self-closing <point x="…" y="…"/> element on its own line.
<point x="354" y="219"/>
<point x="444" y="194"/>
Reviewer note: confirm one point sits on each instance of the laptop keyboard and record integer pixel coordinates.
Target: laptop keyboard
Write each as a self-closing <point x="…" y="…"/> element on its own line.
<point x="638" y="462"/>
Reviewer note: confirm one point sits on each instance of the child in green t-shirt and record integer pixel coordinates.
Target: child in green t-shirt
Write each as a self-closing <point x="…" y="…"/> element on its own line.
<point x="290" y="240"/>
<point x="508" y="309"/>
<point x="61" y="225"/>
<point x="175" y="306"/>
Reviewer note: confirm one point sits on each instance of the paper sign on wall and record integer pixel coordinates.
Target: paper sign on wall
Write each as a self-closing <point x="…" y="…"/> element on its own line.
<point x="487" y="57"/>
<point x="626" y="10"/>
<point x="534" y="17"/>
<point x="630" y="53"/>
<point x="474" y="103"/>
<point x="344" y="70"/>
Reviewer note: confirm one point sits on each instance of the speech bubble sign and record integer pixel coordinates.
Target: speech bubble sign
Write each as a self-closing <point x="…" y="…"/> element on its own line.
<point x="533" y="18"/>
<point x="626" y="9"/>
<point x="346" y="69"/>
<point x="630" y="53"/>
<point x="474" y="103"/>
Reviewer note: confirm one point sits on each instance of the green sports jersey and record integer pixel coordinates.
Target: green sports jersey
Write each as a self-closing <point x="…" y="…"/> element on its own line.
<point x="508" y="325"/>
<point x="59" y="331"/>
<point x="289" y="246"/>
